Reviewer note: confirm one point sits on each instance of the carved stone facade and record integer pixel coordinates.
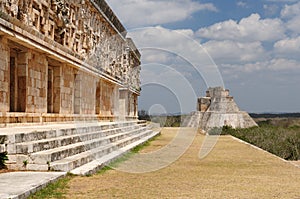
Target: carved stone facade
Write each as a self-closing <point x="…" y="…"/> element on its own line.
<point x="63" y="60"/>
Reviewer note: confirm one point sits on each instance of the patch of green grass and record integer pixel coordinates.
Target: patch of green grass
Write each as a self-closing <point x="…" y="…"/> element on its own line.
<point x="115" y="163"/>
<point x="54" y="190"/>
<point x="103" y="170"/>
<point x="145" y="144"/>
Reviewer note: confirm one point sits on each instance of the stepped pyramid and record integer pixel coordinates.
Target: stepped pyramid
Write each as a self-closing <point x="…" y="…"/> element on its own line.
<point x="218" y="109"/>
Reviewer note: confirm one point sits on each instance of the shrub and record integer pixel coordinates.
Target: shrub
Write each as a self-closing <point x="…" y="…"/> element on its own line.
<point x="281" y="141"/>
<point x="215" y="131"/>
<point x="3" y="158"/>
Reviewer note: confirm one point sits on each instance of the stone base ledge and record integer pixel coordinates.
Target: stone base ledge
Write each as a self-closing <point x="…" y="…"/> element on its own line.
<point x="22" y="119"/>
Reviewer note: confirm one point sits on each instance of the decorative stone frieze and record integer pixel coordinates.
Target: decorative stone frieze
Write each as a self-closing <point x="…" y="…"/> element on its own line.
<point x="64" y="57"/>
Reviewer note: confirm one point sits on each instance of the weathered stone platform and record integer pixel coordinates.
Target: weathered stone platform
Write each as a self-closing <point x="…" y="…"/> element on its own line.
<point x="19" y="185"/>
<point x="69" y="147"/>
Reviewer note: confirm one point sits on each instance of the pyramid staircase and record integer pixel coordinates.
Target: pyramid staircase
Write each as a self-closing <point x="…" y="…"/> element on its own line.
<point x="192" y="120"/>
<point x="79" y="148"/>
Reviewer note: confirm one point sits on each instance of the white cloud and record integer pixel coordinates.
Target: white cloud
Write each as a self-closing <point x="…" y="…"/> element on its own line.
<point x="290" y="11"/>
<point x="242" y="4"/>
<point x="284" y="65"/>
<point x="227" y="51"/>
<point x="275" y="65"/>
<point x="289" y="47"/>
<point x="163" y="45"/>
<point x="163" y="38"/>
<point x="294" y="25"/>
<point x="136" y="13"/>
<point x="252" y="28"/>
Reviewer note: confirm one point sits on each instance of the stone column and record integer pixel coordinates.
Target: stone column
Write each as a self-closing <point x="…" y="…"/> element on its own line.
<point x="115" y="102"/>
<point x="77" y="93"/>
<point x="4" y="75"/>
<point x="22" y="74"/>
<point x="123" y="101"/>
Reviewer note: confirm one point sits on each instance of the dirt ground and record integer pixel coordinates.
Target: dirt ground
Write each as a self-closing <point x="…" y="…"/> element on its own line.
<point x="231" y="170"/>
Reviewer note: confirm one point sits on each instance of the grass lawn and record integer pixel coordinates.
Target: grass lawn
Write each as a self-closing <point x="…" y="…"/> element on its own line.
<point x="231" y="170"/>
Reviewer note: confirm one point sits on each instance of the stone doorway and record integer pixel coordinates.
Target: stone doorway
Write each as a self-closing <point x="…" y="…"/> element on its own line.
<point x="54" y="87"/>
<point x="98" y="97"/>
<point x="18" y="84"/>
<point x="50" y="91"/>
<point x="53" y="90"/>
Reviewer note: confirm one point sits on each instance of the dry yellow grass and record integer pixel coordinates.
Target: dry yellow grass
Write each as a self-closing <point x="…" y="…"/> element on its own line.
<point x="231" y="170"/>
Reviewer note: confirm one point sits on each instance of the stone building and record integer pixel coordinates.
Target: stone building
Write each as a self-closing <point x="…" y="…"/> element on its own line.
<point x="218" y="109"/>
<point x="65" y="60"/>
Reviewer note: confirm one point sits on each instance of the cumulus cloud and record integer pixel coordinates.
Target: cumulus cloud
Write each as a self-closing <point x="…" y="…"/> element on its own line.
<point x="289" y="47"/>
<point x="161" y="45"/>
<point x="272" y="65"/>
<point x="136" y="13"/>
<point x="290" y="11"/>
<point x="164" y="38"/>
<point x="224" y="52"/>
<point x="294" y="25"/>
<point x="284" y="65"/>
<point x="252" y="28"/>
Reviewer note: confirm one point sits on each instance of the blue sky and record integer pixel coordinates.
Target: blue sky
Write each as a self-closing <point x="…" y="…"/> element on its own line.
<point x="250" y="47"/>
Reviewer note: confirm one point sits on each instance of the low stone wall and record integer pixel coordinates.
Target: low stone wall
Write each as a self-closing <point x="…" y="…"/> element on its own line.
<point x="21" y="119"/>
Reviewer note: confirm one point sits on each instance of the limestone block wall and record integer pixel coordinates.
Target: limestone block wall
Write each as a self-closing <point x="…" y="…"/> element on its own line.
<point x="123" y="100"/>
<point x="132" y="104"/>
<point x="67" y="89"/>
<point x="37" y="81"/>
<point x="4" y="75"/>
<point x="106" y="97"/>
<point x="54" y="87"/>
<point x="79" y="28"/>
<point x="88" y="89"/>
<point x="61" y="59"/>
<point x="127" y="104"/>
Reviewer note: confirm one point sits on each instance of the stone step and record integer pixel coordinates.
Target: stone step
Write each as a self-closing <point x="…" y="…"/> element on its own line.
<point x="46" y="144"/>
<point x="98" y="163"/>
<point x="83" y="158"/>
<point x="59" y="153"/>
<point x="46" y="132"/>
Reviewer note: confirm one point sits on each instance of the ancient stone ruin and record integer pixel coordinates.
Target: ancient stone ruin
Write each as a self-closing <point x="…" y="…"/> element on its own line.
<point x="63" y="62"/>
<point x="218" y="109"/>
<point x="61" y="59"/>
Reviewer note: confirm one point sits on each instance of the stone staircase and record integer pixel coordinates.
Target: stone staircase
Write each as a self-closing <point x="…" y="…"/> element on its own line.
<point x="192" y="120"/>
<point x="77" y="148"/>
